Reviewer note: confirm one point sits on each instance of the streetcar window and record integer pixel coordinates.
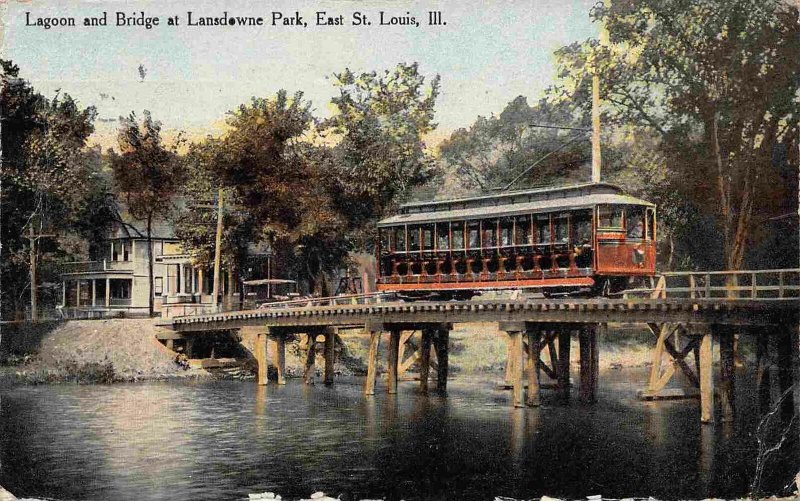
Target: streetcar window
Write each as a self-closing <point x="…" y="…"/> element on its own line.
<point x="427" y="237"/>
<point x="383" y="235"/>
<point x="610" y="216"/>
<point x="543" y="227"/>
<point x="651" y="224"/>
<point x="522" y="230"/>
<point x="581" y="228"/>
<point x="400" y="239"/>
<point x="560" y="226"/>
<point x="473" y="234"/>
<point x="443" y="236"/>
<point x="506" y="232"/>
<point x="635" y="222"/>
<point x="489" y="233"/>
<point x="413" y="238"/>
<point x="458" y="235"/>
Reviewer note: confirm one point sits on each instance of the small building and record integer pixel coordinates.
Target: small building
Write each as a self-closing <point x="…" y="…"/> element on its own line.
<point x="116" y="283"/>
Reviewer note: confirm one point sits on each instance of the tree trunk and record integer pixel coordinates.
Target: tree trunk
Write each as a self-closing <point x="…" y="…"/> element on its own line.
<point x="150" y="298"/>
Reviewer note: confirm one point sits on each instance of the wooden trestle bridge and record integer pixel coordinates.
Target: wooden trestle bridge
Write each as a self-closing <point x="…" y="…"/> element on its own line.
<point x="686" y="312"/>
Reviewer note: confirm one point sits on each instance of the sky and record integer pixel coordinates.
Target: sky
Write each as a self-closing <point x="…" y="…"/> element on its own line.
<point x="487" y="54"/>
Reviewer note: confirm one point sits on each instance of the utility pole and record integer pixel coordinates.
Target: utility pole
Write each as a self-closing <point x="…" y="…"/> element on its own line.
<point x="596" y="155"/>
<point x="34" y="306"/>
<point x="217" y="251"/>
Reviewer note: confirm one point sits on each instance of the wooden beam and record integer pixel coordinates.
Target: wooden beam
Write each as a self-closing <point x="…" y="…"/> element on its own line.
<point x="564" y="335"/>
<point x="279" y="350"/>
<point x="330" y="354"/>
<point x="706" y="379"/>
<point x="311" y="355"/>
<point x="392" y="361"/>
<point x="425" y="359"/>
<point x="372" y="362"/>
<point x="727" y="371"/>
<point x="442" y="345"/>
<point x="534" y="349"/>
<point x="516" y="373"/>
<point x="261" y="357"/>
<point x="786" y="338"/>
<point x="587" y="343"/>
<point x="763" y="374"/>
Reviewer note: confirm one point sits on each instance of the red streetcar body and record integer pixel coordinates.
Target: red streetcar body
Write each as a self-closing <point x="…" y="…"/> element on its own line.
<point x="569" y="237"/>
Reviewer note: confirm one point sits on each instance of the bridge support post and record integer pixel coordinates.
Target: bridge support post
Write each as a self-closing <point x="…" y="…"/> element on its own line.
<point x="563" y="361"/>
<point x="372" y="360"/>
<point x="706" y="379"/>
<point x="261" y="356"/>
<point x="532" y="365"/>
<point x="279" y="357"/>
<point x="727" y="355"/>
<point x="763" y="370"/>
<point x="787" y="350"/>
<point x="516" y="372"/>
<point x="425" y="360"/>
<point x="392" y="363"/>
<point x="311" y="354"/>
<point x="441" y="344"/>
<point x="330" y="354"/>
<point x="587" y="343"/>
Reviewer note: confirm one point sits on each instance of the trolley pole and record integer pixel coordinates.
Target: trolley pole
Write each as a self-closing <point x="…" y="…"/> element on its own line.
<point x="217" y="251"/>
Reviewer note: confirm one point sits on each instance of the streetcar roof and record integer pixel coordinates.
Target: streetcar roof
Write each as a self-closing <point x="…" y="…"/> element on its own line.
<point x="511" y="209"/>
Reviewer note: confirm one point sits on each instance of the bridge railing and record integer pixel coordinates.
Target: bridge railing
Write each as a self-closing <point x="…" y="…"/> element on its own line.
<point x="732" y="285"/>
<point x="345" y="299"/>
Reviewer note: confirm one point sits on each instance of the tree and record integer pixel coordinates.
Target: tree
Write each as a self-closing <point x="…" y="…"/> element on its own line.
<point x="147" y="176"/>
<point x="717" y="82"/>
<point x="46" y="178"/>
<point x="381" y="120"/>
<point x="495" y="150"/>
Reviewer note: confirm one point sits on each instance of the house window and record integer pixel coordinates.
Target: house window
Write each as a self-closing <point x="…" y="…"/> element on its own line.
<point x="114" y="251"/>
<point x="158" y="286"/>
<point x="126" y="251"/>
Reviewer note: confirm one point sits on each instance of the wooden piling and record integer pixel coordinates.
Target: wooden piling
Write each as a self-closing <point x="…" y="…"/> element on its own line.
<point x="261" y="357"/>
<point x="785" y="340"/>
<point x="532" y="366"/>
<point x="425" y="359"/>
<point x="587" y="343"/>
<point x="507" y="379"/>
<point x="516" y="364"/>
<point x="706" y="379"/>
<point x="311" y="354"/>
<point x="441" y="343"/>
<point x="392" y="363"/>
<point x="763" y="374"/>
<point x="280" y="358"/>
<point x="330" y="354"/>
<point x="563" y="361"/>
<point x="727" y="357"/>
<point x="372" y="362"/>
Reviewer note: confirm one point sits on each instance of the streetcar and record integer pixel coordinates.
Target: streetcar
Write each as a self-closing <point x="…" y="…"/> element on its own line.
<point x="587" y="239"/>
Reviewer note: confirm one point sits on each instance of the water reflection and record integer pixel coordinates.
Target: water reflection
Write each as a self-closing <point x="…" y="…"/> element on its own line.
<point x="223" y="440"/>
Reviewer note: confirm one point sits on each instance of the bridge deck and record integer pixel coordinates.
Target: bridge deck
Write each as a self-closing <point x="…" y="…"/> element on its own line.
<point x="689" y="311"/>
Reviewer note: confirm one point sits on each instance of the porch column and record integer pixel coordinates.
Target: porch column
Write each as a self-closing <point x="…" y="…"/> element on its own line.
<point x="194" y="279"/>
<point x="108" y="292"/>
<point x="64" y="293"/>
<point x="78" y="292"/>
<point x="94" y="291"/>
<point x="200" y="281"/>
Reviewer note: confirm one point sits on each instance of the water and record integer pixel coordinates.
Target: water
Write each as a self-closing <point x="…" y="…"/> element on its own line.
<point x="223" y="440"/>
